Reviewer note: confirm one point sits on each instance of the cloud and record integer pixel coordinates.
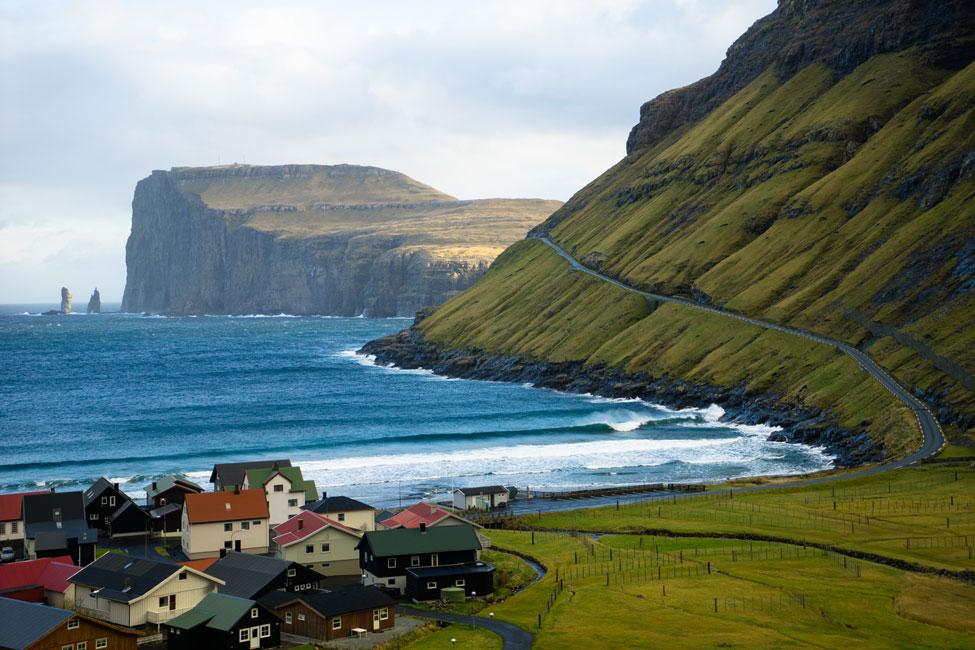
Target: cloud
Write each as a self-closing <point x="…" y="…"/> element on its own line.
<point x="499" y="98"/>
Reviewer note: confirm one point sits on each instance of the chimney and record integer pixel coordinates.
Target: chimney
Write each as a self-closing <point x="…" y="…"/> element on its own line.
<point x="236" y="489"/>
<point x="301" y="524"/>
<point x="423" y="527"/>
<point x="116" y="485"/>
<point x="153" y="485"/>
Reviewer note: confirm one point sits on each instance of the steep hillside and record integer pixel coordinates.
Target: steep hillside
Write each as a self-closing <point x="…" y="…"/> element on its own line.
<point x="824" y="178"/>
<point x="342" y="240"/>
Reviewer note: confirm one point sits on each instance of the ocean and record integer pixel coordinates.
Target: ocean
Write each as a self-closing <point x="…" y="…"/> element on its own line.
<point x="133" y="397"/>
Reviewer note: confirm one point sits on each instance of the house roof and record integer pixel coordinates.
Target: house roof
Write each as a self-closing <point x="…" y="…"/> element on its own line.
<point x="11" y="505"/>
<point x="411" y="541"/>
<point x="49" y="537"/>
<point x="199" y="565"/>
<point x="23" y="624"/>
<point x="332" y="602"/>
<point x="166" y="483"/>
<point x="122" y="578"/>
<point x="245" y="574"/>
<point x="52" y="573"/>
<point x="326" y="505"/>
<point x="420" y="513"/>
<point x="383" y="515"/>
<point x="233" y="473"/>
<point x="96" y="489"/>
<point x="484" y="489"/>
<point x="218" y="611"/>
<point x="209" y="507"/>
<point x="167" y="509"/>
<point x="306" y="524"/>
<point x="451" y="570"/>
<point x="39" y="507"/>
<point x="259" y="476"/>
<point x="130" y="504"/>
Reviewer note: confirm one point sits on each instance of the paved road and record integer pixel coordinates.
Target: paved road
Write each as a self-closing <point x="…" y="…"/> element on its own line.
<point x="933" y="437"/>
<point x="513" y="636"/>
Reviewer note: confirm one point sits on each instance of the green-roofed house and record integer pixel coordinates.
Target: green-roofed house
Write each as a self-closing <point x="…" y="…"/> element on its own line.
<point x="390" y="558"/>
<point x="286" y="490"/>
<point x="224" y="621"/>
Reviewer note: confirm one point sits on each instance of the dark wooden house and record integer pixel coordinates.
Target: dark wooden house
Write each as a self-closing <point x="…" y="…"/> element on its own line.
<point x="130" y="521"/>
<point x="33" y="626"/>
<point x="385" y="555"/>
<point x="425" y="583"/>
<point x="322" y="615"/>
<point x="55" y="525"/>
<point x="113" y="513"/>
<point x="251" y="576"/>
<point x="169" y="490"/>
<point x="224" y="621"/>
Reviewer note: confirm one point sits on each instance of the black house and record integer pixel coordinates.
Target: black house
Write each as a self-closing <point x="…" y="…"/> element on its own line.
<point x="129" y="520"/>
<point x="425" y="583"/>
<point x="252" y="576"/>
<point x="386" y="555"/>
<point x="168" y="490"/>
<point x="55" y="524"/>
<point x="223" y="621"/>
<point x="102" y="501"/>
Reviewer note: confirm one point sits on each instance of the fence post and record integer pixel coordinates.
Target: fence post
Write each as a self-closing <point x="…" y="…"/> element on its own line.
<point x="709" y="563"/>
<point x="715" y="607"/>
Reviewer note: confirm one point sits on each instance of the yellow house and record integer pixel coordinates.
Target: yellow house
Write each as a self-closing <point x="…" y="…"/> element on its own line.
<point x="319" y="543"/>
<point x="223" y="521"/>
<point x="346" y="511"/>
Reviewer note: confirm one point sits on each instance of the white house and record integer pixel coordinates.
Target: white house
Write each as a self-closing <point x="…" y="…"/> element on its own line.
<point x="285" y="488"/>
<point x="133" y="591"/>
<point x="486" y="497"/>
<point x="346" y="511"/>
<point x="319" y="543"/>
<point x="221" y="521"/>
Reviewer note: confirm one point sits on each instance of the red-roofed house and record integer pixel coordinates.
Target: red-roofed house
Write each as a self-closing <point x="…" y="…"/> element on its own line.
<point x="12" y="521"/>
<point x="319" y="543"/>
<point x="39" y="581"/>
<point x="424" y="513"/>
<point x="215" y="522"/>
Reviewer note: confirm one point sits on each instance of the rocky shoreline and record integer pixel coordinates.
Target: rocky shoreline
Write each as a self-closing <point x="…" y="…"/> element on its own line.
<point x="800" y="424"/>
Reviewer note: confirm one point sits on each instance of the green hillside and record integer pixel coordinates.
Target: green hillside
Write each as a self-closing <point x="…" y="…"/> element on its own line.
<point x="843" y="204"/>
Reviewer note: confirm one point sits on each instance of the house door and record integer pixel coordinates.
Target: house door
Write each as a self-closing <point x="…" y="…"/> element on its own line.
<point x="237" y="545"/>
<point x="434" y="560"/>
<point x="172" y="602"/>
<point x="255" y="637"/>
<point x="375" y="620"/>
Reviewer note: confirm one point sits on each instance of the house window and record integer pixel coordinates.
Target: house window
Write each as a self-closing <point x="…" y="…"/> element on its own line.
<point x="292" y="573"/>
<point x="309" y="548"/>
<point x="228" y="544"/>
<point x="287" y="618"/>
<point x="182" y="575"/>
<point x="101" y="643"/>
<point x="301" y="616"/>
<point x="266" y="631"/>
<point x="245" y="525"/>
<point x="73" y="624"/>
<point x="279" y="488"/>
<point x="336" y="622"/>
<point x="3" y="528"/>
<point x="245" y="634"/>
<point x="228" y="527"/>
<point x="111" y="501"/>
<point x="325" y="548"/>
<point x="431" y="584"/>
<point x="434" y="559"/>
<point x="459" y="583"/>
<point x="104" y="500"/>
<point x="69" y="646"/>
<point x="256" y="522"/>
<point x="164" y="601"/>
<point x="391" y="581"/>
<point x="341" y="516"/>
<point x="13" y="526"/>
<point x="384" y="614"/>
<point x="81" y="645"/>
<point x="93" y="516"/>
<point x="415" y="560"/>
<point x="391" y="563"/>
<point x="292" y="503"/>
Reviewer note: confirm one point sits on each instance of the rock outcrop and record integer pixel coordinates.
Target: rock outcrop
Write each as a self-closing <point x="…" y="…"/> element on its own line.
<point x="95" y="302"/>
<point x="65" y="301"/>
<point x="309" y="239"/>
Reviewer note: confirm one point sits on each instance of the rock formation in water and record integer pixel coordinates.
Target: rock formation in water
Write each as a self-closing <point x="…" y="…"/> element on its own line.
<point x="65" y="301"/>
<point x="95" y="302"/>
<point x="309" y="239"/>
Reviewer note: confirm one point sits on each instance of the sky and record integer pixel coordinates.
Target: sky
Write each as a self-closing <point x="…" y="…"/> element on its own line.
<point x="521" y="98"/>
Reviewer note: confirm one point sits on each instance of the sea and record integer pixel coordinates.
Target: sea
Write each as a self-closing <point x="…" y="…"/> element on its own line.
<point x="134" y="397"/>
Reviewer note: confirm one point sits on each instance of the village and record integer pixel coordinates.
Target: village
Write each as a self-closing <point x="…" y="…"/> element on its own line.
<point x="263" y="560"/>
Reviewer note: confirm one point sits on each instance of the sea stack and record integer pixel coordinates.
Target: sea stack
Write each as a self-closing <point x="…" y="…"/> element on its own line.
<point x="65" y="301"/>
<point x="95" y="302"/>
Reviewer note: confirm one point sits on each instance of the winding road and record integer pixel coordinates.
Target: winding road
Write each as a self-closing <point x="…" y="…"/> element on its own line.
<point x="513" y="637"/>
<point x="933" y="437"/>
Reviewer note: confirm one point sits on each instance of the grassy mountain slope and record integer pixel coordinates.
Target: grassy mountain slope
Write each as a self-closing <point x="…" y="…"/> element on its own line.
<point x="841" y="203"/>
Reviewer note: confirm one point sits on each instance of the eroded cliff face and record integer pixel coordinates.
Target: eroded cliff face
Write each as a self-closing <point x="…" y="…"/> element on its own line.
<point x="298" y="239"/>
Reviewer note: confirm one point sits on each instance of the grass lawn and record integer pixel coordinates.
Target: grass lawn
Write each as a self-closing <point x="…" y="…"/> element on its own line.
<point x="466" y="638"/>
<point x="102" y="551"/>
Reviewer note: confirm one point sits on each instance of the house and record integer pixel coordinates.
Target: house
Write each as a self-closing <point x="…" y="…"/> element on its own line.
<point x="167" y="520"/>
<point x="55" y="525"/>
<point x="385" y="555"/>
<point x="215" y="522"/>
<point x="425" y="583"/>
<point x="319" y="543"/>
<point x="32" y="626"/>
<point x="424" y="513"/>
<point x="487" y="497"/>
<point x="113" y="513"/>
<point x="12" y="521"/>
<point x="326" y="615"/>
<point x="285" y="488"/>
<point x="39" y="581"/>
<point x="222" y="621"/>
<point x="344" y="510"/>
<point x="226" y="475"/>
<point x="252" y="576"/>
<point x="132" y="592"/>
<point x="168" y="490"/>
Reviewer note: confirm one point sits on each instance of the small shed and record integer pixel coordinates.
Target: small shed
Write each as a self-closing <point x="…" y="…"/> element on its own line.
<point x="426" y="583"/>
<point x="485" y="497"/>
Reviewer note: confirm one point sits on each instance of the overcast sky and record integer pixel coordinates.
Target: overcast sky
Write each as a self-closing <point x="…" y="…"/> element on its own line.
<point x="479" y="99"/>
